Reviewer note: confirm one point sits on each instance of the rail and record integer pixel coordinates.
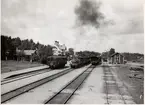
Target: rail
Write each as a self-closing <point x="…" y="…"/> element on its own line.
<point x="67" y="91"/>
<point x="23" y="75"/>
<point x="107" y="79"/>
<point x="13" y="93"/>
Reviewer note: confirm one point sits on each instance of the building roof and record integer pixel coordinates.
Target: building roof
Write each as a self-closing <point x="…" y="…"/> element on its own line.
<point x="26" y="52"/>
<point x="29" y="52"/>
<point x="116" y="54"/>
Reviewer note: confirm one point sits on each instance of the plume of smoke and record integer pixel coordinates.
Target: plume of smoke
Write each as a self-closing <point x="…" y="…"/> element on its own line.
<point x="89" y="16"/>
<point x="88" y="13"/>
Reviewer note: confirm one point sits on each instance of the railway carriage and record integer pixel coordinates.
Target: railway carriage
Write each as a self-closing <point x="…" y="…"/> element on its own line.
<point x="95" y="60"/>
<point x="75" y="62"/>
<point x="56" y="61"/>
<point x="79" y="62"/>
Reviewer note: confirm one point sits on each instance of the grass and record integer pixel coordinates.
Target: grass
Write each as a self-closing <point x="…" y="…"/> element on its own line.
<point x="135" y="86"/>
<point x="11" y="65"/>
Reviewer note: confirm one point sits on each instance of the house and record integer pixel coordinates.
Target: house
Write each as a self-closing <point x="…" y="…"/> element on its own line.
<point x="28" y="54"/>
<point x="25" y="54"/>
<point x="116" y="58"/>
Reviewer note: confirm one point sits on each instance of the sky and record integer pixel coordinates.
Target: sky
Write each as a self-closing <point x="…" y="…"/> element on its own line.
<point x="49" y="20"/>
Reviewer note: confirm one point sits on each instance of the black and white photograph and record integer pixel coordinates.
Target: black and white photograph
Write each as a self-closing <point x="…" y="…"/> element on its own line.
<point x="72" y="51"/>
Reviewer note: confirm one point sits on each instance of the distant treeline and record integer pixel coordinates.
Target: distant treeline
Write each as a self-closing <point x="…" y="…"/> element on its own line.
<point x="9" y="46"/>
<point x="87" y="53"/>
<point x="133" y="56"/>
<point x="127" y="56"/>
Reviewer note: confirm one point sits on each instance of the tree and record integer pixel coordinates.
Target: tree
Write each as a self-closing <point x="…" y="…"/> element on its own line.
<point x="112" y="51"/>
<point x="3" y="47"/>
<point x="105" y="54"/>
<point x="35" y="57"/>
<point x="25" y="45"/>
<point x="8" y="49"/>
<point x="71" y="51"/>
<point x="20" y="55"/>
<point x="87" y="54"/>
<point x="133" y="56"/>
<point x="16" y="42"/>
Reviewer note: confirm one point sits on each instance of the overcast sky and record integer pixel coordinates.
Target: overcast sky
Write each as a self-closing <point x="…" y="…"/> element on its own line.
<point x="49" y="20"/>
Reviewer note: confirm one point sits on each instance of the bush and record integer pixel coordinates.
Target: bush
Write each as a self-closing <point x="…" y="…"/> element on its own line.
<point x="35" y="57"/>
<point x="43" y="60"/>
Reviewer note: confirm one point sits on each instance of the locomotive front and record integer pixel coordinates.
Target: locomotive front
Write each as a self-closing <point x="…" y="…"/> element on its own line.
<point x="75" y="62"/>
<point x="58" y="60"/>
<point x="95" y="60"/>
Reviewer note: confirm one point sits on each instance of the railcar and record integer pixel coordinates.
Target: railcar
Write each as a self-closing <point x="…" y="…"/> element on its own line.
<point x="79" y="62"/>
<point x="75" y="62"/>
<point x="95" y="60"/>
<point x="56" y="61"/>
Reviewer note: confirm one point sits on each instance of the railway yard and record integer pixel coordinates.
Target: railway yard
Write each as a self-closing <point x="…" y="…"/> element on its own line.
<point x="72" y="52"/>
<point x="86" y="85"/>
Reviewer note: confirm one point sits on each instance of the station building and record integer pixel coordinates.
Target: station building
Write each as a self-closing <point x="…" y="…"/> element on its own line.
<point x="116" y="58"/>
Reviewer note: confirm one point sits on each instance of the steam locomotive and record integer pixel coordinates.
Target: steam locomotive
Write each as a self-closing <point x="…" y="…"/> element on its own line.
<point x="58" y="59"/>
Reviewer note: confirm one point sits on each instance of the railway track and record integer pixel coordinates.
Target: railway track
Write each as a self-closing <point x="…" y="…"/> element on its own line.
<point x="111" y="84"/>
<point x="67" y="91"/>
<point x="23" y="75"/>
<point x="18" y="91"/>
<point x="114" y="89"/>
